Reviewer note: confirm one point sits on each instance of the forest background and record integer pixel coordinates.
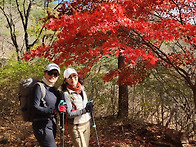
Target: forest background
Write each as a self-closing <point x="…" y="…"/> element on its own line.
<point x="161" y="102"/>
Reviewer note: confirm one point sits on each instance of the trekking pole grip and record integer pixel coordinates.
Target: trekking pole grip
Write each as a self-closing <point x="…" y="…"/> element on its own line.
<point x="62" y="106"/>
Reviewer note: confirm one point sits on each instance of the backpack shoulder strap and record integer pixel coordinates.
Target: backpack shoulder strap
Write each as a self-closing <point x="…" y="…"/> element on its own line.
<point x="43" y="91"/>
<point x="70" y="95"/>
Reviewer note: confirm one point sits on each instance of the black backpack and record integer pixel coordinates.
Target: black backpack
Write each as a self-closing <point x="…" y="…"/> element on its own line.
<point x="26" y="97"/>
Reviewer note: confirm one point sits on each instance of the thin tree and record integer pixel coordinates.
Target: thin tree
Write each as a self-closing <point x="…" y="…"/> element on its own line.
<point x="10" y="9"/>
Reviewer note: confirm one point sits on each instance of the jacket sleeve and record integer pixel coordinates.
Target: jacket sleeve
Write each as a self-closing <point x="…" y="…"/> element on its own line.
<point x="70" y="113"/>
<point x="59" y="96"/>
<point x="37" y="106"/>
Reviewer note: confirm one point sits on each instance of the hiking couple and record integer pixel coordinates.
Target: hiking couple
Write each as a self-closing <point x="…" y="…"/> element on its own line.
<point x="77" y="108"/>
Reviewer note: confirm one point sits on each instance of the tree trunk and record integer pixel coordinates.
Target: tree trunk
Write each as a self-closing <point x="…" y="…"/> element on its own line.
<point x="123" y="93"/>
<point x="123" y="101"/>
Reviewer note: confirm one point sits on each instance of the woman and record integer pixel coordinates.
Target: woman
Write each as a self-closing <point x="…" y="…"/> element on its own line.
<point x="78" y="109"/>
<point x="44" y="120"/>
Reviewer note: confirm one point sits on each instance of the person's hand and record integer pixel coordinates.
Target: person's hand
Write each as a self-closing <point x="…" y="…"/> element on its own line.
<point x="89" y="107"/>
<point x="51" y="110"/>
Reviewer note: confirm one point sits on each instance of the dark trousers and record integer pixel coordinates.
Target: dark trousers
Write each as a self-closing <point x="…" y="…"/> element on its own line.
<point x="45" y="132"/>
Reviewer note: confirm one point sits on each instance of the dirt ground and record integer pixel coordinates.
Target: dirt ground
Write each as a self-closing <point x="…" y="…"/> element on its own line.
<point x="111" y="133"/>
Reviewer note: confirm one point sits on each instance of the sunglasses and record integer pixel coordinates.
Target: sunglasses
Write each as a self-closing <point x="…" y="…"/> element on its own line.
<point x="50" y="73"/>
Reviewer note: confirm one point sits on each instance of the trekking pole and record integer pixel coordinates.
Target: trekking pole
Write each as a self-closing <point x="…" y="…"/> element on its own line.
<point x="94" y="125"/>
<point x="62" y="111"/>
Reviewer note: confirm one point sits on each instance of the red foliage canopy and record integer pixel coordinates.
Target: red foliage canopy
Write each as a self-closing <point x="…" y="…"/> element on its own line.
<point x="133" y="29"/>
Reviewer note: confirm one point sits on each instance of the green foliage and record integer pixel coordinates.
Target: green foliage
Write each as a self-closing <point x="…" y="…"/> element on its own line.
<point x="34" y="29"/>
<point x="17" y="71"/>
<point x="6" y="33"/>
<point x="37" y="13"/>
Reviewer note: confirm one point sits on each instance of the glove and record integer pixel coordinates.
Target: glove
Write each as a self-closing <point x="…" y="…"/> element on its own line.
<point x="51" y="110"/>
<point x="62" y="108"/>
<point x="89" y="107"/>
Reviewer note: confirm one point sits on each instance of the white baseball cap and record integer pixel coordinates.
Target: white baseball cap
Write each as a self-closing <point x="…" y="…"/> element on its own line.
<point x="52" y="66"/>
<point x="69" y="71"/>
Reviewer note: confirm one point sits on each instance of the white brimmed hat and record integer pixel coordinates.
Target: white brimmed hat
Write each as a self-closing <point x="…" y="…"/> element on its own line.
<point x="52" y="66"/>
<point x="69" y="71"/>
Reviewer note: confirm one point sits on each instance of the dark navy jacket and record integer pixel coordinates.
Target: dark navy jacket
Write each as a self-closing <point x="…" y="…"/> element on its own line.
<point x="52" y="99"/>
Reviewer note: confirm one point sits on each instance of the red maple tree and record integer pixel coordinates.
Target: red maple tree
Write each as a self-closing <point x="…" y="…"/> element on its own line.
<point x="134" y="30"/>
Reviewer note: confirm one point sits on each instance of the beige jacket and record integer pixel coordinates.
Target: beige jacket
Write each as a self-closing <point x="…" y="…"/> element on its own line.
<point x="76" y="106"/>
